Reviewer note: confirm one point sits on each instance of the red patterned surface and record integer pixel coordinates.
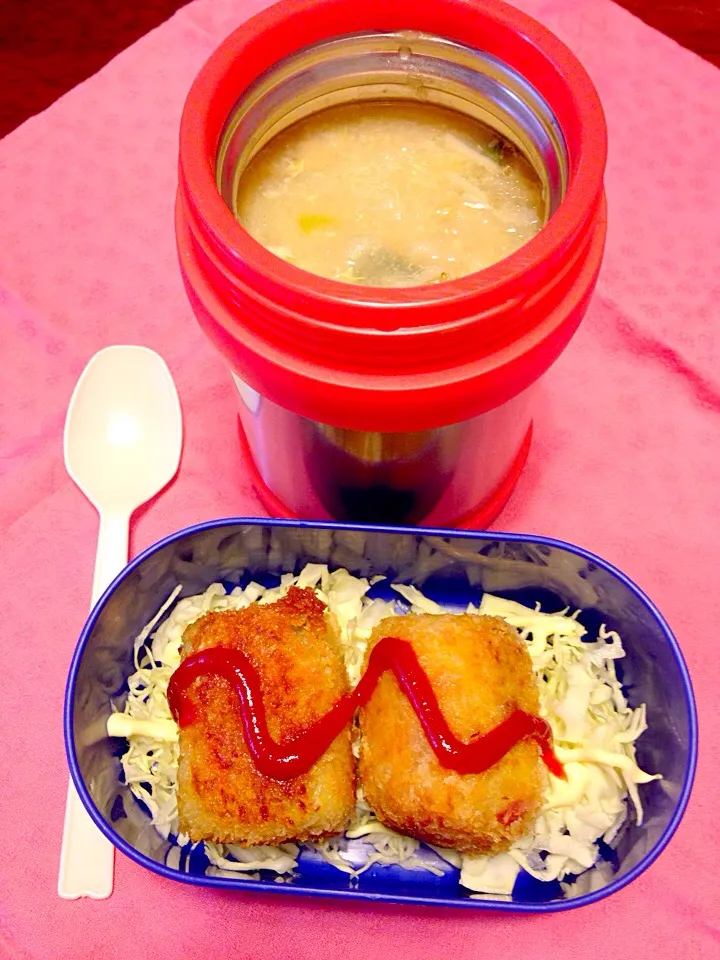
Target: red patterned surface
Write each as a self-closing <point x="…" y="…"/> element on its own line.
<point x="625" y="461"/>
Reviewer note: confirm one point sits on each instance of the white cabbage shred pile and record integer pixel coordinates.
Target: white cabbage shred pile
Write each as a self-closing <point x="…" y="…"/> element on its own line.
<point x="594" y="730"/>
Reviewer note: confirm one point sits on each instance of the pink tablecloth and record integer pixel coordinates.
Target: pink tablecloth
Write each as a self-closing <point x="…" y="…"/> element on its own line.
<point x="626" y="462"/>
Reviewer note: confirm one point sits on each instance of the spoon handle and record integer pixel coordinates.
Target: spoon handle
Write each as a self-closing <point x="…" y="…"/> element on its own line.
<point x="112" y="552"/>
<point x="86" y="856"/>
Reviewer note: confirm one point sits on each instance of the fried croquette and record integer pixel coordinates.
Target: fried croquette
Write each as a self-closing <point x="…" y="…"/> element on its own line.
<point x="294" y="646"/>
<point x="480" y="672"/>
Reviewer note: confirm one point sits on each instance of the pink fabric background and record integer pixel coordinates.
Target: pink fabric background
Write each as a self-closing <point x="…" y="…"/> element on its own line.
<point x="626" y="462"/>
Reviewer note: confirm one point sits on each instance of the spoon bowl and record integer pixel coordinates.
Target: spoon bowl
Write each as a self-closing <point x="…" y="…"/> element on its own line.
<point x="123" y="432"/>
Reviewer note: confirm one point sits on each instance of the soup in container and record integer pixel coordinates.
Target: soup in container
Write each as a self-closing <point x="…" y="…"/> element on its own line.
<point x="390" y="220"/>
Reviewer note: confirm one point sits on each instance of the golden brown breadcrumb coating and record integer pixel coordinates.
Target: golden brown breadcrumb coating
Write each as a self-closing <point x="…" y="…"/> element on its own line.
<point x="480" y="671"/>
<point x="294" y="646"/>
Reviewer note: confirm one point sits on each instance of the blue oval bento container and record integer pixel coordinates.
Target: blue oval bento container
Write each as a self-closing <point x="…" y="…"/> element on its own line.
<point x="452" y="567"/>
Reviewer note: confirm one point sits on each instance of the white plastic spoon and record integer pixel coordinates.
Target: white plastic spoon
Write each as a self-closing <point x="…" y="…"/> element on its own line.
<point x="123" y="437"/>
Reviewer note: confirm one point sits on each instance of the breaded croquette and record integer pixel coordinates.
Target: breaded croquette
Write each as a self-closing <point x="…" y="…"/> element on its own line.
<point x="480" y="672"/>
<point x="293" y="644"/>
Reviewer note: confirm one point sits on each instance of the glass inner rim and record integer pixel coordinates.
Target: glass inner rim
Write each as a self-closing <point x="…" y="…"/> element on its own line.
<point x="400" y="66"/>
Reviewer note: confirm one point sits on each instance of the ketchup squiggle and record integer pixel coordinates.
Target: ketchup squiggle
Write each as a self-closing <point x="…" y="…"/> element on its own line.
<point x="284" y="761"/>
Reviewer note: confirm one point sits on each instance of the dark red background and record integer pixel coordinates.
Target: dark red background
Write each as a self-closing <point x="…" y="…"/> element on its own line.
<point x="48" y="46"/>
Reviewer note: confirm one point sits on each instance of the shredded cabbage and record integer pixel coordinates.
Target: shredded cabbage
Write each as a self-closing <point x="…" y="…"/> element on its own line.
<point x="594" y="729"/>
